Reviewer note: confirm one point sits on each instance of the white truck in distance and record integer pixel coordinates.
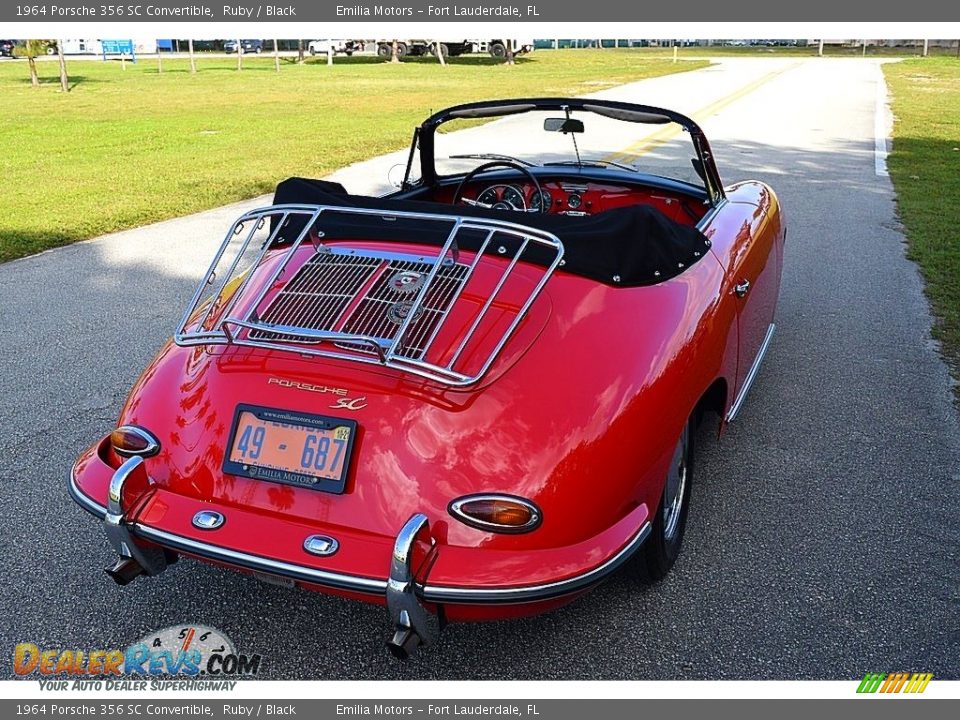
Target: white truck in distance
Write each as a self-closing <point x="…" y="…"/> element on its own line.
<point x="452" y="48"/>
<point x="337" y="47"/>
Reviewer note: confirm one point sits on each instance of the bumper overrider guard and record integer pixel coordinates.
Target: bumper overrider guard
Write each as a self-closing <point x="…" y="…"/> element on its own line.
<point x="133" y="558"/>
<point x="406" y="590"/>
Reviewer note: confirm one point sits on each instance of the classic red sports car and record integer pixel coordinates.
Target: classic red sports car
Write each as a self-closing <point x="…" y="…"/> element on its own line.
<point x="473" y="398"/>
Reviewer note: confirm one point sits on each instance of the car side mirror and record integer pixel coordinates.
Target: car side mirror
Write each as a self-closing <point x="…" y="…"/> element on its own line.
<point x="564" y="125"/>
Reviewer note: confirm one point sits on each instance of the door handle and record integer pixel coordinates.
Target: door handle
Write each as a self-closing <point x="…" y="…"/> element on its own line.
<point x="742" y="288"/>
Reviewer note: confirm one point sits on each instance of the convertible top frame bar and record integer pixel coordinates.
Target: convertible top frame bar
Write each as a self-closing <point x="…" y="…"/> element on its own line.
<point x="628" y="112"/>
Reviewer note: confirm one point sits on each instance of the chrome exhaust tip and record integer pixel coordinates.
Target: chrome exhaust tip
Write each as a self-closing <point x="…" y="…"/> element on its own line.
<point x="404" y="643"/>
<point x="124" y="570"/>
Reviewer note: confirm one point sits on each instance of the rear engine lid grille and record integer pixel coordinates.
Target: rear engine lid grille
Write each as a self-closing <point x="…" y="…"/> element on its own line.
<point x="318" y="294"/>
<point x="381" y="313"/>
<point x="363" y="295"/>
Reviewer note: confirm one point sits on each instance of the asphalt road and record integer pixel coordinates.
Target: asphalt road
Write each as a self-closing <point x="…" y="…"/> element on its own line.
<point x="822" y="541"/>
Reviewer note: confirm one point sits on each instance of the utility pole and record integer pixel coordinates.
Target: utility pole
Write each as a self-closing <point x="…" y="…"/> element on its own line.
<point x="276" y="55"/>
<point x="193" y="61"/>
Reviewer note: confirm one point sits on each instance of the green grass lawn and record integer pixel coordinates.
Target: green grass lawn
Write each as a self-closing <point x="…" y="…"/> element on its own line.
<point x="131" y="146"/>
<point x="925" y="167"/>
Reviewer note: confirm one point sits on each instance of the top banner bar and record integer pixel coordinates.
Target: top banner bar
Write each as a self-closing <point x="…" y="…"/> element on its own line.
<point x="546" y="11"/>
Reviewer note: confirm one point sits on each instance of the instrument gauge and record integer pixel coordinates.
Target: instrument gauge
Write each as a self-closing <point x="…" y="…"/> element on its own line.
<point x="542" y="202"/>
<point x="514" y="197"/>
<point x="488" y="196"/>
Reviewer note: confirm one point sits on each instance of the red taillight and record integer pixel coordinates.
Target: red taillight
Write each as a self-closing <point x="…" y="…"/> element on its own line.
<point x="496" y="513"/>
<point x="130" y="440"/>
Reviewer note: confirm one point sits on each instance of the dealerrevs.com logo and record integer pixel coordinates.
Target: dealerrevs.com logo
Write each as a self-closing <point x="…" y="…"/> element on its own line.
<point x="181" y="657"/>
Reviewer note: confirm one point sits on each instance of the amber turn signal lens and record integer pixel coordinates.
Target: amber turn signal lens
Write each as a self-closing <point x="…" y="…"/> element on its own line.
<point x="130" y="440"/>
<point x="496" y="513"/>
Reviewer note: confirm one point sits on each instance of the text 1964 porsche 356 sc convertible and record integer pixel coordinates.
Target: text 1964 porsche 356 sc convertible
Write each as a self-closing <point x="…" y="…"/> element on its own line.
<point x="470" y="399"/>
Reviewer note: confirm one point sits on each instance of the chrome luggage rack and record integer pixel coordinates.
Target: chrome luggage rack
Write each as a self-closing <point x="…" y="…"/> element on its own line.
<point x="351" y="303"/>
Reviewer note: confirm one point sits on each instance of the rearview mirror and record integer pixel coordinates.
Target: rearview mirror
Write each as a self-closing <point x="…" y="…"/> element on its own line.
<point x="564" y="125"/>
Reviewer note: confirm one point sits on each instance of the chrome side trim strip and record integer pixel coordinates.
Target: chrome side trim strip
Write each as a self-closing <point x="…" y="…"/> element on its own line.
<point x="751" y="376"/>
<point x="430" y="593"/>
<point x="533" y="593"/>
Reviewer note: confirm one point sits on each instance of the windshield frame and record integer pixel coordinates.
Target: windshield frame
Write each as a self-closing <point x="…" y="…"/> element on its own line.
<point x="424" y="137"/>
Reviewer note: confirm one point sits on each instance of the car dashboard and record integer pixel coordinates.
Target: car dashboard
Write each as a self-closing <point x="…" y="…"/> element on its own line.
<point x="564" y="196"/>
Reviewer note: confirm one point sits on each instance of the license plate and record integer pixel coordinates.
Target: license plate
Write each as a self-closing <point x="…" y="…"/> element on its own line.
<point x="290" y="447"/>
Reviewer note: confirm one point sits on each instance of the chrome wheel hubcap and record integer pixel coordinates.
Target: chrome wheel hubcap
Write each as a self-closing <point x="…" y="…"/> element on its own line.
<point x="676" y="485"/>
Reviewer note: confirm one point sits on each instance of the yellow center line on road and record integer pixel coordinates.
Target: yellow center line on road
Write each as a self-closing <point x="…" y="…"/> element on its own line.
<point x="668" y="132"/>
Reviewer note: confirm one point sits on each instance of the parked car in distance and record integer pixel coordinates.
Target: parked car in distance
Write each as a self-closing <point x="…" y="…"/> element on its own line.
<point x="6" y="48"/>
<point x="248" y="46"/>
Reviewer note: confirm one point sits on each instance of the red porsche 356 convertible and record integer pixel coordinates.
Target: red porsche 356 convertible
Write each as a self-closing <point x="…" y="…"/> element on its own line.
<point x="473" y="398"/>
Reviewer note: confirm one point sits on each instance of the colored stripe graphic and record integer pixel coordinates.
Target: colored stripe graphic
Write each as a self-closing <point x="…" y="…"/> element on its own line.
<point x="894" y="682"/>
<point x="870" y="683"/>
<point x="918" y="682"/>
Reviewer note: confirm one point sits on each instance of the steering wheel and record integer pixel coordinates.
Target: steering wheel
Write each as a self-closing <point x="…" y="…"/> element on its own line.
<point x="489" y="166"/>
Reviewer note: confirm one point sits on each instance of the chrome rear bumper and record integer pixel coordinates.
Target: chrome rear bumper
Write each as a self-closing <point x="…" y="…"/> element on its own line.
<point x="405" y="589"/>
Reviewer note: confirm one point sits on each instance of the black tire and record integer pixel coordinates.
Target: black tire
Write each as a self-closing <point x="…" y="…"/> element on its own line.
<point x="348" y="53"/>
<point x="662" y="547"/>
<point x="498" y="50"/>
<point x="313" y="52"/>
<point x="402" y="50"/>
<point x="444" y="49"/>
<point x="51" y="50"/>
<point x="258" y="51"/>
<point x="384" y="51"/>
